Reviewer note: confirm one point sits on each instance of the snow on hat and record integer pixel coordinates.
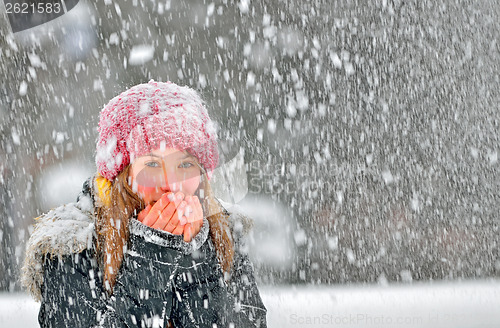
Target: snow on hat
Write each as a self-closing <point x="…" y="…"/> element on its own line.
<point x="153" y="115"/>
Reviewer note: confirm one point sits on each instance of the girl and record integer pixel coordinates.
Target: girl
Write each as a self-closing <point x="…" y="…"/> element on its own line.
<point x="146" y="244"/>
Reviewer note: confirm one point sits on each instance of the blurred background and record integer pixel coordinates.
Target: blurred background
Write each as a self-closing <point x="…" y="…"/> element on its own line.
<point x="368" y="129"/>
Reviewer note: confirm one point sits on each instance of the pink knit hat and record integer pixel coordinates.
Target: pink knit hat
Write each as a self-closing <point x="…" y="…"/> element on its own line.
<point x="151" y="115"/>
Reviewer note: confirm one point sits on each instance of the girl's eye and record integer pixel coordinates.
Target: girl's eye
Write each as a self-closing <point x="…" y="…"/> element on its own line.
<point x="152" y="164"/>
<point x="186" y="164"/>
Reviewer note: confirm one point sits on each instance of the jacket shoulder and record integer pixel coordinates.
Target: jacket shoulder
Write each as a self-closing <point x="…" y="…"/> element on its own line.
<point x="64" y="230"/>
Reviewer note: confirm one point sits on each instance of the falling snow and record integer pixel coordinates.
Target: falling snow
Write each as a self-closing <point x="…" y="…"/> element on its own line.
<point x="362" y="138"/>
<point x="141" y="54"/>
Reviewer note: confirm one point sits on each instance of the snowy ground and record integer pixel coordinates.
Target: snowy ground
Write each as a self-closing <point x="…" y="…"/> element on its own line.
<point x="467" y="304"/>
<point x="436" y="305"/>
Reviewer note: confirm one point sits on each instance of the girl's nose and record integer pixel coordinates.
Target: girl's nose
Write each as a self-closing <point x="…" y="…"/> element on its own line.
<point x="165" y="188"/>
<point x="173" y="186"/>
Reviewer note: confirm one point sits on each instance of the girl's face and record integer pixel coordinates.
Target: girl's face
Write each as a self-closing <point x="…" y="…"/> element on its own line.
<point x="163" y="171"/>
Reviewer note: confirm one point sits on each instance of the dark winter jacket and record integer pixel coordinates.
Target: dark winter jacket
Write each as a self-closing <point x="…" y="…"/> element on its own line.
<point x="161" y="278"/>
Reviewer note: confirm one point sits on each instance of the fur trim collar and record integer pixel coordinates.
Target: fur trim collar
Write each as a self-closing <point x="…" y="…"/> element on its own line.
<point x="69" y="229"/>
<point x="167" y="239"/>
<point x="64" y="230"/>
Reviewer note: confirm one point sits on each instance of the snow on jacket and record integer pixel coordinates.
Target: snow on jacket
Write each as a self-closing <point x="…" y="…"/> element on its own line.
<point x="162" y="277"/>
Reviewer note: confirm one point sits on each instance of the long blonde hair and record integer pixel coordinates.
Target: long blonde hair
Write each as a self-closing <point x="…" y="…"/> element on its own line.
<point x="116" y="204"/>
